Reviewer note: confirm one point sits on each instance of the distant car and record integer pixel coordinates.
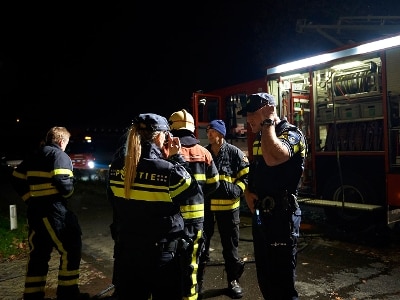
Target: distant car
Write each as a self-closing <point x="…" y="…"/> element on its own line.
<point x="81" y="152"/>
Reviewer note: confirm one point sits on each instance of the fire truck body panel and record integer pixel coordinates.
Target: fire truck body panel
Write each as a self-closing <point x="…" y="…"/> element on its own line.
<point x="347" y="102"/>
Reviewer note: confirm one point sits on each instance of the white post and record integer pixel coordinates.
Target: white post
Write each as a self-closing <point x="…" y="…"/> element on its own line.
<point x="13" y="217"/>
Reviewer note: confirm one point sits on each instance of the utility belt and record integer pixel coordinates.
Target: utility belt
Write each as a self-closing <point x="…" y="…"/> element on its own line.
<point x="271" y="204"/>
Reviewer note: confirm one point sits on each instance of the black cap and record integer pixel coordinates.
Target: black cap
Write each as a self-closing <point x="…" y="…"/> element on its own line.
<point x="151" y="122"/>
<point x="255" y="101"/>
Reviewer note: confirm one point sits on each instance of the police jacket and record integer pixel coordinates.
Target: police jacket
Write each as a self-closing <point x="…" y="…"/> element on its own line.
<point x="275" y="181"/>
<point x="45" y="181"/>
<point x="233" y="169"/>
<point x="162" y="189"/>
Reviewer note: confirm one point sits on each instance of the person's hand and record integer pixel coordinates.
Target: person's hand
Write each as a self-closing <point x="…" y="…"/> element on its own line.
<point x="268" y="112"/>
<point x="172" y="146"/>
<point x="251" y="199"/>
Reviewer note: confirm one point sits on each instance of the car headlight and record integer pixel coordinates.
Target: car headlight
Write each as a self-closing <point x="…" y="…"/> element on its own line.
<point x="91" y="164"/>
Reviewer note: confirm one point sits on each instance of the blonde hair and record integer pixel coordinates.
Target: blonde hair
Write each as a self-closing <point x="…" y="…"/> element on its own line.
<point x="133" y="153"/>
<point x="57" y="134"/>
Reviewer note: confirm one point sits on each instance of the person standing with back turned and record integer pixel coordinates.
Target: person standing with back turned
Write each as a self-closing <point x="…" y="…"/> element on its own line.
<point x="223" y="206"/>
<point x="279" y="151"/>
<point x="45" y="182"/>
<point x="202" y="166"/>
<point x="153" y="195"/>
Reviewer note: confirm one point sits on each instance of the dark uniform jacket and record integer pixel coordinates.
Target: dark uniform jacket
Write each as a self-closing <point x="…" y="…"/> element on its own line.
<point x="201" y="164"/>
<point x="277" y="180"/>
<point x="45" y="181"/>
<point x="233" y="169"/>
<point x="161" y="192"/>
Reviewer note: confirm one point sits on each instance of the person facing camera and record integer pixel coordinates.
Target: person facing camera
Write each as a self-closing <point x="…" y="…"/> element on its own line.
<point x="275" y="171"/>
<point x="223" y="205"/>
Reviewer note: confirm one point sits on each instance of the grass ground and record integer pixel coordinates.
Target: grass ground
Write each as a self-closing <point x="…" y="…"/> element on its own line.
<point x="13" y="243"/>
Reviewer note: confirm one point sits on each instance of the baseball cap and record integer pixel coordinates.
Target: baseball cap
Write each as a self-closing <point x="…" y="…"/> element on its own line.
<point x="181" y="120"/>
<point x="218" y="125"/>
<point x="151" y="122"/>
<point x="255" y="101"/>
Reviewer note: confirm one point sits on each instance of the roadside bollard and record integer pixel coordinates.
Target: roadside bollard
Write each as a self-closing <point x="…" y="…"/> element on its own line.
<point x="13" y="217"/>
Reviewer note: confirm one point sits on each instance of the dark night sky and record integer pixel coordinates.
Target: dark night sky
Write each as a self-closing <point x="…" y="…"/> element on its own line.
<point x="99" y="64"/>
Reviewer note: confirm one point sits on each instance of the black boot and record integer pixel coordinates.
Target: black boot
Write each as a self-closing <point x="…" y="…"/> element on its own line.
<point x="234" y="289"/>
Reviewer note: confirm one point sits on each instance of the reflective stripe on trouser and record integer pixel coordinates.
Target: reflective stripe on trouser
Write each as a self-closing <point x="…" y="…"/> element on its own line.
<point x="43" y="238"/>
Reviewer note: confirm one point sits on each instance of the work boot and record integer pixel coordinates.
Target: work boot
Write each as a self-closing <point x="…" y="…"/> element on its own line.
<point x="235" y="291"/>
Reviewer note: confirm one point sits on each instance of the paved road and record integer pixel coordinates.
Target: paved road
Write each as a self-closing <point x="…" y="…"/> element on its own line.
<point x="332" y="264"/>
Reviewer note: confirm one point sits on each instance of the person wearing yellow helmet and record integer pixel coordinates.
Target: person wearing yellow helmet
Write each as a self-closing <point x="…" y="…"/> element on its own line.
<point x="201" y="164"/>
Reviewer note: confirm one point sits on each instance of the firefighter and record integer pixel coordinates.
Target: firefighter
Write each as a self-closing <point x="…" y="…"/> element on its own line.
<point x="223" y="206"/>
<point x="202" y="166"/>
<point x="275" y="171"/>
<point x="45" y="182"/>
<point x="153" y="196"/>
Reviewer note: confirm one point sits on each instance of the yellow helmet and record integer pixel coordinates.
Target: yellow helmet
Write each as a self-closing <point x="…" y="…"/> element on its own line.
<point x="181" y="120"/>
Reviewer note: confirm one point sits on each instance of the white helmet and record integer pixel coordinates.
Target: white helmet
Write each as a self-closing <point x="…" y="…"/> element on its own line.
<point x="181" y="120"/>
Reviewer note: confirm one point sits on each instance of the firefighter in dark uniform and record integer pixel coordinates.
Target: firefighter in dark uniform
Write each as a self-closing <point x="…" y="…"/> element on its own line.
<point x="201" y="164"/>
<point x="45" y="182"/>
<point x="275" y="172"/>
<point x="223" y="206"/>
<point x="153" y="200"/>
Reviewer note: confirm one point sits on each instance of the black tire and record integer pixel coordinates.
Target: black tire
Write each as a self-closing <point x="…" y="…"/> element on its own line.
<point x="356" y="191"/>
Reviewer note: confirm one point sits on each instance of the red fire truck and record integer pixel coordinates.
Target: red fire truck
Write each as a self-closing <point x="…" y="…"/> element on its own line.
<point x="346" y="101"/>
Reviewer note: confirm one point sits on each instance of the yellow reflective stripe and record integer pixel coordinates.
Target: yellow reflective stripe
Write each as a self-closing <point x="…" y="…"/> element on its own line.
<point x="192" y="211"/>
<point x="68" y="282"/>
<point x="241" y="185"/>
<point x="31" y="279"/>
<point x="36" y="289"/>
<point x="19" y="175"/>
<point x="118" y="191"/>
<point x="64" y="172"/>
<point x="69" y="194"/>
<point x="183" y="184"/>
<point x="35" y="187"/>
<point x="26" y="196"/>
<point x="194" y="267"/>
<point x="200" y="177"/>
<point x="117" y="182"/>
<point x="226" y="178"/>
<point x="150" y="196"/>
<point x="148" y="192"/>
<point x="60" y="247"/>
<point x="39" y="174"/>
<point x="243" y="172"/>
<point x="212" y="179"/>
<point x="72" y="280"/>
<point x="49" y="174"/>
<point x="225" y="204"/>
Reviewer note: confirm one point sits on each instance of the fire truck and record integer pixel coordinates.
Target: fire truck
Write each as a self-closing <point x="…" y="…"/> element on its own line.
<point x="346" y="102"/>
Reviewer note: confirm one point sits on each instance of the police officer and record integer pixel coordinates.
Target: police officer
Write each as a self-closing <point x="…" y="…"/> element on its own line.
<point x="153" y="197"/>
<point x="223" y="206"/>
<point x="275" y="171"/>
<point x="45" y="182"/>
<point x="201" y="164"/>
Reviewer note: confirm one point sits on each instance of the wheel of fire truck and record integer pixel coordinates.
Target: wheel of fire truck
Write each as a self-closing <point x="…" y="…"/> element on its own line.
<point x="354" y="190"/>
